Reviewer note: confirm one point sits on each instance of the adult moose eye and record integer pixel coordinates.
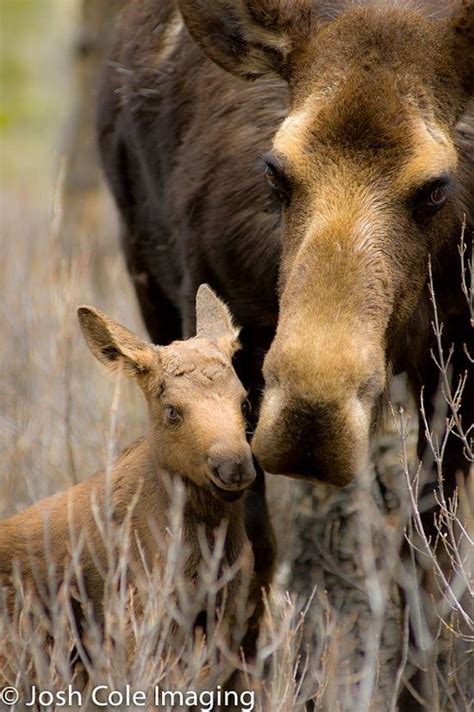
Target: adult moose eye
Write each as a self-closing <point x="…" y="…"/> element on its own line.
<point x="431" y="198"/>
<point x="277" y="181"/>
<point x="438" y="196"/>
<point x="172" y="415"/>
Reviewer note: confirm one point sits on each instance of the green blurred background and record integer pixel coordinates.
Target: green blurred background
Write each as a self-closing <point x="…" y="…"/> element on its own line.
<point x="37" y="37"/>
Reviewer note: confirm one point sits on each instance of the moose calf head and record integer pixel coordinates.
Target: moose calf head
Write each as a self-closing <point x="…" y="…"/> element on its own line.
<point x="196" y="402"/>
<point x="367" y="173"/>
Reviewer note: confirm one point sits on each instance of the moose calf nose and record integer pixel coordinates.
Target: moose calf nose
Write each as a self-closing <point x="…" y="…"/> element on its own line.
<point x="233" y="472"/>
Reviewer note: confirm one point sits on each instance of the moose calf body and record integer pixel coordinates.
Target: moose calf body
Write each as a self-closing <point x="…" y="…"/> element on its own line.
<point x="196" y="435"/>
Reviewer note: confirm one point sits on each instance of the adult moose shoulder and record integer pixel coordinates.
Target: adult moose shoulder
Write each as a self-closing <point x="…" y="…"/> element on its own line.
<point x="355" y="113"/>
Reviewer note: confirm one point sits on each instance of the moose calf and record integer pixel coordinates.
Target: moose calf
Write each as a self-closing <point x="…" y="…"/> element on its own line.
<point x="196" y="435"/>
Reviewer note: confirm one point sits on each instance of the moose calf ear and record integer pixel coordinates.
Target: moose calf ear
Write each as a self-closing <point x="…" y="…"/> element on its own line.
<point x="114" y="345"/>
<point x="248" y="37"/>
<point x="214" y="320"/>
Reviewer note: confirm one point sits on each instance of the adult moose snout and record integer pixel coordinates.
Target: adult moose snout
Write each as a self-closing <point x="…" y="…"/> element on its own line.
<point x="317" y="413"/>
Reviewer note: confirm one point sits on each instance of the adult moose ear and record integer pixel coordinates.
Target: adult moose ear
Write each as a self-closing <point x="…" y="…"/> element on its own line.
<point x="214" y="320"/>
<point x="462" y="42"/>
<point x="249" y="37"/>
<point x="114" y="345"/>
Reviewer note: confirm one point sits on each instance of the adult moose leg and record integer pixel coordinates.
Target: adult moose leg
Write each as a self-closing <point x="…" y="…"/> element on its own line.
<point x="257" y="516"/>
<point x="162" y="319"/>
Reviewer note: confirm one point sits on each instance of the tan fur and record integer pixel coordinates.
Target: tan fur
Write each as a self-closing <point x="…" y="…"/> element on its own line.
<point x="196" y="377"/>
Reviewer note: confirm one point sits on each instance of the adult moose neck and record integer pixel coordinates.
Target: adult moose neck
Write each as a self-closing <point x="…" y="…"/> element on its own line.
<point x="366" y="168"/>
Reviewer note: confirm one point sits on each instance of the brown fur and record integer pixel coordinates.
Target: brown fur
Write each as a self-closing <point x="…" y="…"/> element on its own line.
<point x="207" y="449"/>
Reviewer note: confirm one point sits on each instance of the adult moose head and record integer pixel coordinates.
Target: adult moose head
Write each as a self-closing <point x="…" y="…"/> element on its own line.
<point x="369" y="177"/>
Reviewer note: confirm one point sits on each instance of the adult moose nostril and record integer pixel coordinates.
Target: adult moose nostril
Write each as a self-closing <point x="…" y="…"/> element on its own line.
<point x="303" y="439"/>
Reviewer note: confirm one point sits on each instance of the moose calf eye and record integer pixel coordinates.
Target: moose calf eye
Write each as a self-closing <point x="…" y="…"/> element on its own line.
<point x="246" y="408"/>
<point x="271" y="177"/>
<point x="278" y="183"/>
<point x="172" y="415"/>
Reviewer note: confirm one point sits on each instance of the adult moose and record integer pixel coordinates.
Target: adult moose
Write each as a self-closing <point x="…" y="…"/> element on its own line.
<point x="369" y="173"/>
<point x="353" y="112"/>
